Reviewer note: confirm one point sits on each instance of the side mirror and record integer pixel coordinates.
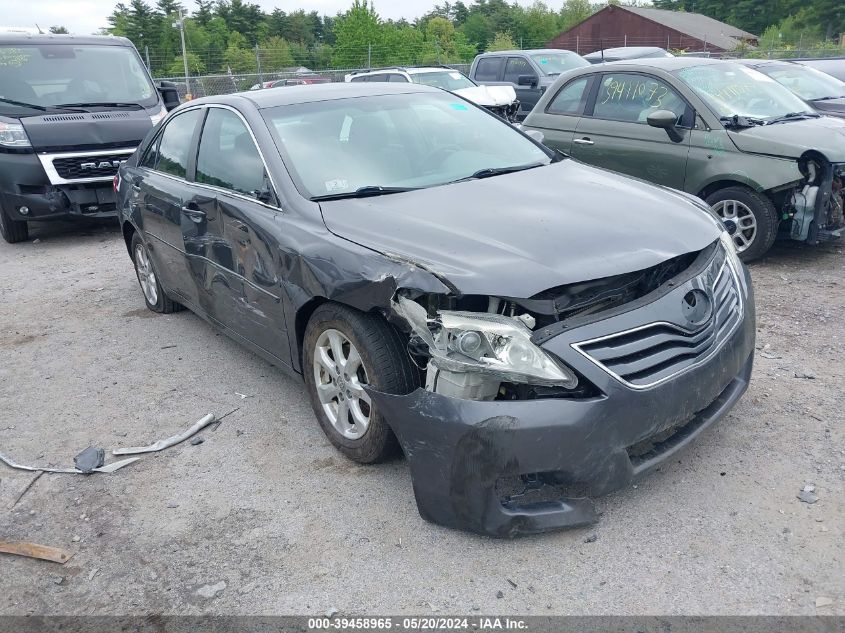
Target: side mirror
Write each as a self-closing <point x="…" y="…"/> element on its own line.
<point x="537" y="135"/>
<point x="526" y="80"/>
<point x="169" y="94"/>
<point x="665" y="120"/>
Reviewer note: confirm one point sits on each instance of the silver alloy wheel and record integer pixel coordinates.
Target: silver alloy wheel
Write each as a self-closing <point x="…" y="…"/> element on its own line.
<point x="339" y="377"/>
<point x="738" y="216"/>
<point x="146" y="275"/>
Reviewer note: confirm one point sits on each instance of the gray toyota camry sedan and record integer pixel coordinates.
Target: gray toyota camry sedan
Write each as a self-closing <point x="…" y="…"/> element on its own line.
<point x="529" y="331"/>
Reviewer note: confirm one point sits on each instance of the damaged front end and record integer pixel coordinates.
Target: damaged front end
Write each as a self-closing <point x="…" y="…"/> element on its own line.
<point x="521" y="420"/>
<point x="815" y="207"/>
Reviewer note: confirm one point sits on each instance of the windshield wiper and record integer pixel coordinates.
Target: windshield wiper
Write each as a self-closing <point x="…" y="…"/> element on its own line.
<point x="23" y="104"/>
<point x="100" y="104"/>
<point x="793" y="116"/>
<point x="365" y="192"/>
<point x="489" y="172"/>
<point x="738" y="121"/>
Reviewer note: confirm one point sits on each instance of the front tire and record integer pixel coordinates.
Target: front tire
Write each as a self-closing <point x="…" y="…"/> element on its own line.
<point x="154" y="295"/>
<point x="345" y="349"/>
<point x="750" y="216"/>
<point x="13" y="231"/>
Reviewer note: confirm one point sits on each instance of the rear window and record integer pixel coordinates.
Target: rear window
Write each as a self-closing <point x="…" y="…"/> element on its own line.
<point x="488" y="68"/>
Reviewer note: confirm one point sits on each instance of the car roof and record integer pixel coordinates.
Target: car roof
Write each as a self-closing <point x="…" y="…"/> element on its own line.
<point x="292" y="95"/>
<point x="531" y="51"/>
<point x="664" y="63"/>
<point x="21" y="39"/>
<point x="765" y="62"/>
<point x="625" y="50"/>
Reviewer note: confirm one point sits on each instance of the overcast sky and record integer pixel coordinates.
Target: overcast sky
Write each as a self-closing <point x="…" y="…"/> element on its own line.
<point x="87" y="16"/>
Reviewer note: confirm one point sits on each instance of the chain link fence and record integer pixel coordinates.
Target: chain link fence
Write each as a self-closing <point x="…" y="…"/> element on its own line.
<point x="200" y="85"/>
<point x="207" y="85"/>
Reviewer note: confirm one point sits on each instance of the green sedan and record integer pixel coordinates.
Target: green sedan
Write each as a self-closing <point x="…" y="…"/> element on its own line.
<point x="766" y="162"/>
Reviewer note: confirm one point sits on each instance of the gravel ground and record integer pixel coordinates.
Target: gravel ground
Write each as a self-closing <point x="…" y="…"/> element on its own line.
<point x="270" y="513"/>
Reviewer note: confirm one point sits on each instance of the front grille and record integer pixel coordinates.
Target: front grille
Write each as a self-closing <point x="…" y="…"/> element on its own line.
<point x="78" y="167"/>
<point x="654" y="353"/>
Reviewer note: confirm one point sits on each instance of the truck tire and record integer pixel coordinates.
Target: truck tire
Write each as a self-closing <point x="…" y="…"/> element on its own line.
<point x="344" y="349"/>
<point x="13" y="231"/>
<point x="750" y="217"/>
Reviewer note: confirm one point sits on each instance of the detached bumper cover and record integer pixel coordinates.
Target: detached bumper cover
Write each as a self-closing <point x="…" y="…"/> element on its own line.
<point x="460" y="451"/>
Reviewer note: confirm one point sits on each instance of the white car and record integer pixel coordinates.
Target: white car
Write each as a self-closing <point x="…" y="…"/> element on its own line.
<point x="500" y="100"/>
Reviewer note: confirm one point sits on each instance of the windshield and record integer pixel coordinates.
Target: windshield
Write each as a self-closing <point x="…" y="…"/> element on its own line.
<point x="54" y="74"/>
<point x="557" y="63"/>
<point x="731" y="89"/>
<point x="808" y="83"/>
<point x="394" y="141"/>
<point x="447" y="79"/>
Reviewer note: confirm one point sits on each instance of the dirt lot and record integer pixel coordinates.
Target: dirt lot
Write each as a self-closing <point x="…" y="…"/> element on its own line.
<point x="266" y="506"/>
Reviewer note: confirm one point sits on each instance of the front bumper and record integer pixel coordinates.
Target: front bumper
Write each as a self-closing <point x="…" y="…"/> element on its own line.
<point x="463" y="453"/>
<point x="24" y="183"/>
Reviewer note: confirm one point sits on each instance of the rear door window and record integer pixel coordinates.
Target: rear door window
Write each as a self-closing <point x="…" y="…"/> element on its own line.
<point x="175" y="145"/>
<point x="570" y="100"/>
<point x="488" y="68"/>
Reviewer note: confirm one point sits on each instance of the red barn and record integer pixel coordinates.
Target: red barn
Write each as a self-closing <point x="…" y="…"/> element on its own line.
<point x="638" y="26"/>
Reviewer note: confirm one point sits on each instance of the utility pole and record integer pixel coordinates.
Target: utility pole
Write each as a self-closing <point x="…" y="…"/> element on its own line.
<point x="147" y="55"/>
<point x="258" y="65"/>
<point x="188" y="96"/>
<point x="369" y="56"/>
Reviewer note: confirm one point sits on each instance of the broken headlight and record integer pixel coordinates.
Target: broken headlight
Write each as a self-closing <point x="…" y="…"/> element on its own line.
<point x="497" y="345"/>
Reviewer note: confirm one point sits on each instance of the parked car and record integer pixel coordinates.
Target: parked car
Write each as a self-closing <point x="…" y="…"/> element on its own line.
<point x="72" y="109"/>
<point x="823" y="92"/>
<point x="529" y="72"/>
<point x="500" y="100"/>
<point x="833" y="66"/>
<point x="626" y="52"/>
<point x="447" y="285"/>
<point x="761" y="157"/>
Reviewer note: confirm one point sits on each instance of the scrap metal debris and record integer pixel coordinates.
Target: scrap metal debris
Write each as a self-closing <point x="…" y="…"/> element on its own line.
<point x="26" y="489"/>
<point x="170" y="441"/>
<point x="89" y="459"/>
<point x="34" y="550"/>
<point x="108" y="468"/>
<point x="808" y="494"/>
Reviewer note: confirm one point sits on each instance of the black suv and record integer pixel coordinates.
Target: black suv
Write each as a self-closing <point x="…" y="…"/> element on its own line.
<point x="72" y="109"/>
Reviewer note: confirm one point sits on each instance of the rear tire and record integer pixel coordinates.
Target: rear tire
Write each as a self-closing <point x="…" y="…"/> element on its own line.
<point x="154" y="295"/>
<point x="752" y="216"/>
<point x="13" y="231"/>
<point x="342" y="350"/>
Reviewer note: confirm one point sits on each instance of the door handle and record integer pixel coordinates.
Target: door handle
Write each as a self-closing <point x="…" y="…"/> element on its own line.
<point x="583" y="141"/>
<point x="195" y="214"/>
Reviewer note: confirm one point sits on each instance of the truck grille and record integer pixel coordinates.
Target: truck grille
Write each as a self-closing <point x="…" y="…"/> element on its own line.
<point x="651" y="354"/>
<point x="78" y="167"/>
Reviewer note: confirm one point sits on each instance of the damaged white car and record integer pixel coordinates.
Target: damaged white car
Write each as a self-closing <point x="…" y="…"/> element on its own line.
<point x="500" y="100"/>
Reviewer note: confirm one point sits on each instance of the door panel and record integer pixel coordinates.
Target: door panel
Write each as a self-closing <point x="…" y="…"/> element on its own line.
<point x="617" y="136"/>
<point x="528" y="96"/>
<point x="160" y="189"/>
<point x="230" y="247"/>
<point x="560" y="120"/>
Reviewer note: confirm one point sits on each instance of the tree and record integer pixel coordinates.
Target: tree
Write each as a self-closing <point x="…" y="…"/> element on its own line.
<point x="275" y="55"/>
<point x="58" y="30"/>
<point x="501" y="42"/>
<point x="355" y="31"/>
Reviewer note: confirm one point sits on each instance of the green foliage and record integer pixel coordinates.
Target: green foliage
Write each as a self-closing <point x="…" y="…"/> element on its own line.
<point x="58" y="30"/>
<point x="502" y="42"/>
<point x="222" y="34"/>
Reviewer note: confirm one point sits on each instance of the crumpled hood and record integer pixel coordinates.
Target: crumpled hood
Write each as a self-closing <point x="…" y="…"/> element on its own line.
<point x="489" y="95"/>
<point x="518" y="234"/>
<point x="824" y="134"/>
